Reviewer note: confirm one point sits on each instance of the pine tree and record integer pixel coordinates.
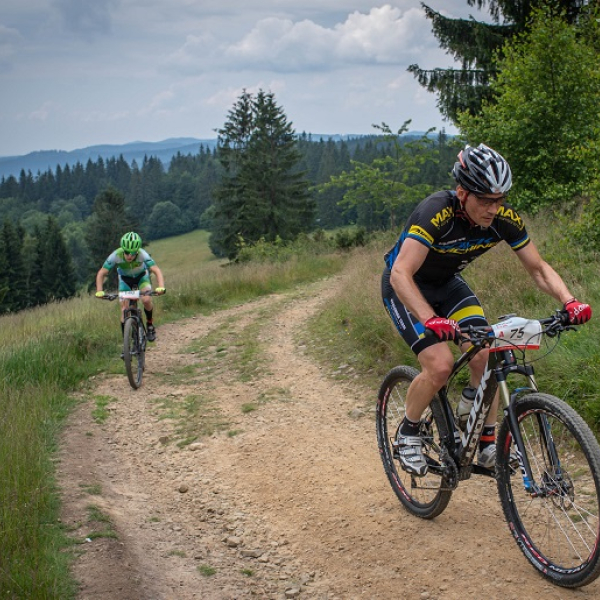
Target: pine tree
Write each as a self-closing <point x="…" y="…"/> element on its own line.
<point x="474" y="44"/>
<point x="4" y="275"/>
<point x="262" y="194"/>
<point x="280" y="190"/>
<point x="330" y="212"/>
<point x="228" y="199"/>
<point x="57" y="267"/>
<point x="13" y="275"/>
<point x="38" y="293"/>
<point x="107" y="224"/>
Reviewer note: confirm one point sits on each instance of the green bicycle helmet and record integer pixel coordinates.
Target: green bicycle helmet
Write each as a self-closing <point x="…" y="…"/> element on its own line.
<point x="131" y="242"/>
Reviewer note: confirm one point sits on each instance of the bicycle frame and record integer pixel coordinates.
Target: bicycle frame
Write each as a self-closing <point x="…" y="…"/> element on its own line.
<point x="132" y="309"/>
<point x="547" y="466"/>
<point x="463" y="446"/>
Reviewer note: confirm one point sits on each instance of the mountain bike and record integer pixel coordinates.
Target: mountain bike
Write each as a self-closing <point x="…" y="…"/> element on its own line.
<point x="547" y="458"/>
<point x="134" y="335"/>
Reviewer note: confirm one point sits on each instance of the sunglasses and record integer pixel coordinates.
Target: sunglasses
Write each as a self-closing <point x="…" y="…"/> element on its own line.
<point x="134" y="254"/>
<point x="485" y="201"/>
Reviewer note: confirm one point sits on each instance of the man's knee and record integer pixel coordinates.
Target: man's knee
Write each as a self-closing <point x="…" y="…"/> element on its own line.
<point x="477" y="363"/>
<point x="437" y="366"/>
<point x="440" y="376"/>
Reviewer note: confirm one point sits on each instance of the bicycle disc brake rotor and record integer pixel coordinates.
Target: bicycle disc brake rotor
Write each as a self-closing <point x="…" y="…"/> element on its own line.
<point x="559" y="488"/>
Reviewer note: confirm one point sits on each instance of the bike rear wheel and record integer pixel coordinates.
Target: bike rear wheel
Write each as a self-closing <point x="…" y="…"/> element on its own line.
<point x="556" y="527"/>
<point x="134" y="351"/>
<point x="426" y="496"/>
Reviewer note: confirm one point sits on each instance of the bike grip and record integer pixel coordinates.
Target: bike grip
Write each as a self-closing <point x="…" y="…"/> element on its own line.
<point x="564" y="316"/>
<point x="459" y="340"/>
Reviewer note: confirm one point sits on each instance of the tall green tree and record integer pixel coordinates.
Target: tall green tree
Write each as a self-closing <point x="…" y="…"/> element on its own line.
<point x="384" y="189"/>
<point x="58" y="278"/>
<point x="106" y="225"/>
<point x="166" y="220"/>
<point x="75" y="239"/>
<point x="38" y="293"/>
<point x="330" y="213"/>
<point x="13" y="274"/>
<point x="475" y="44"/>
<point x="546" y="110"/>
<point x="226" y="213"/>
<point x="263" y="194"/>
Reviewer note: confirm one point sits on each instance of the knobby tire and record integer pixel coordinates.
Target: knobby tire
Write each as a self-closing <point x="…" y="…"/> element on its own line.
<point x="426" y="496"/>
<point x="133" y="352"/>
<point x="558" y="528"/>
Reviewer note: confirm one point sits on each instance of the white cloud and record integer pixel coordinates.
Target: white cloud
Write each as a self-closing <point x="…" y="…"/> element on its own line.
<point x="383" y="36"/>
<point x="42" y="113"/>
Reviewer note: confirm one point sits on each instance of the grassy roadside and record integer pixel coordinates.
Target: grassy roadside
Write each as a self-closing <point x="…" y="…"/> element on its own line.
<point x="355" y="329"/>
<point x="47" y="352"/>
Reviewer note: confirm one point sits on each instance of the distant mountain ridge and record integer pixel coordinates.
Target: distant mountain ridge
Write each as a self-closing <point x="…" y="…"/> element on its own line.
<point x="44" y="160"/>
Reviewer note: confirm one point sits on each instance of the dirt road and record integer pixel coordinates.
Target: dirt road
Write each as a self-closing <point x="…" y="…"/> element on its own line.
<point x="286" y="498"/>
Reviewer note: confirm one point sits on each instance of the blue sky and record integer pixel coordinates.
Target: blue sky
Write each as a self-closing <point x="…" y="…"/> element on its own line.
<point x="78" y="73"/>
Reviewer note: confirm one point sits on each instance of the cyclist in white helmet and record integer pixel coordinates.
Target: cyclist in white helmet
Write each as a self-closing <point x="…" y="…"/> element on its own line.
<point x="422" y="287"/>
<point x="134" y="266"/>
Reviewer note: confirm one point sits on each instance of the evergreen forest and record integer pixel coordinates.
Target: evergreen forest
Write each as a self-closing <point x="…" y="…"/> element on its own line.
<point x="60" y="225"/>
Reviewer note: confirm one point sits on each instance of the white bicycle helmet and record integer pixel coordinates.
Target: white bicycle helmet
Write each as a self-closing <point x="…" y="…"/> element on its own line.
<point x="482" y="170"/>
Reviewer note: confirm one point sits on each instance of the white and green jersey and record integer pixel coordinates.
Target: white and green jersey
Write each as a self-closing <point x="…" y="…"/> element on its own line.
<point x="139" y="266"/>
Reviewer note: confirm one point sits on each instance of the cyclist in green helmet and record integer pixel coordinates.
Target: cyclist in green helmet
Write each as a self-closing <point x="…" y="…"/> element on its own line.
<point x="134" y="268"/>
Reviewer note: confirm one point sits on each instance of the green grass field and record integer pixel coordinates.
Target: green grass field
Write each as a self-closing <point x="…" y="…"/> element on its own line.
<point x="46" y="353"/>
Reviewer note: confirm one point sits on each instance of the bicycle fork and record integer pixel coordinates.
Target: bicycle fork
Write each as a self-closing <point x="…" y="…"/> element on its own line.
<point x="510" y="415"/>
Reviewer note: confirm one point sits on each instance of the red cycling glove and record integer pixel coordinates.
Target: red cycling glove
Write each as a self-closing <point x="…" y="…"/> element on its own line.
<point x="579" y="312"/>
<point x="447" y="330"/>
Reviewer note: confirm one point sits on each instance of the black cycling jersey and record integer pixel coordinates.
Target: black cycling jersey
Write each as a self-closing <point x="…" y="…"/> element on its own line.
<point x="439" y="223"/>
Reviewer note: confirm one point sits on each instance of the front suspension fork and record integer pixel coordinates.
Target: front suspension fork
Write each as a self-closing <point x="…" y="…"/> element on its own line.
<point x="510" y="415"/>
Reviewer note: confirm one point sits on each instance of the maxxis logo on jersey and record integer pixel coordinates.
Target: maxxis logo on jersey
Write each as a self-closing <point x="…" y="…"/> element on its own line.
<point x="506" y="213"/>
<point x="442" y="217"/>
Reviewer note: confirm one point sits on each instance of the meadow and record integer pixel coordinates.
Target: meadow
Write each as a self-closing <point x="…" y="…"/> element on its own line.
<point x="49" y="352"/>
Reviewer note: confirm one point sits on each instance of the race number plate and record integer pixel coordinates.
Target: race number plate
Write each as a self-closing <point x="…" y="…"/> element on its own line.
<point x="131" y="295"/>
<point x="517" y="332"/>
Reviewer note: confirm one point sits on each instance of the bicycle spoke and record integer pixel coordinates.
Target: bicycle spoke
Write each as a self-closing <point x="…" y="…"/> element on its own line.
<point x="425" y="496"/>
<point x="574" y="520"/>
<point x="558" y="524"/>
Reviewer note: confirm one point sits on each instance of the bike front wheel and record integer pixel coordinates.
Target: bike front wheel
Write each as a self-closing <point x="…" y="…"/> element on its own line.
<point x="555" y="518"/>
<point x="426" y="496"/>
<point x="134" y="352"/>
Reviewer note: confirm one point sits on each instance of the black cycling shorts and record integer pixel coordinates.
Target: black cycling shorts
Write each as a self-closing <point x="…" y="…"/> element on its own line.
<point x="451" y="300"/>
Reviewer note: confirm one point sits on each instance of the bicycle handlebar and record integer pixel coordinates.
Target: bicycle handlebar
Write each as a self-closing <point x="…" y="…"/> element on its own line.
<point x="486" y="334"/>
<point x="112" y="297"/>
<point x="550" y="326"/>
